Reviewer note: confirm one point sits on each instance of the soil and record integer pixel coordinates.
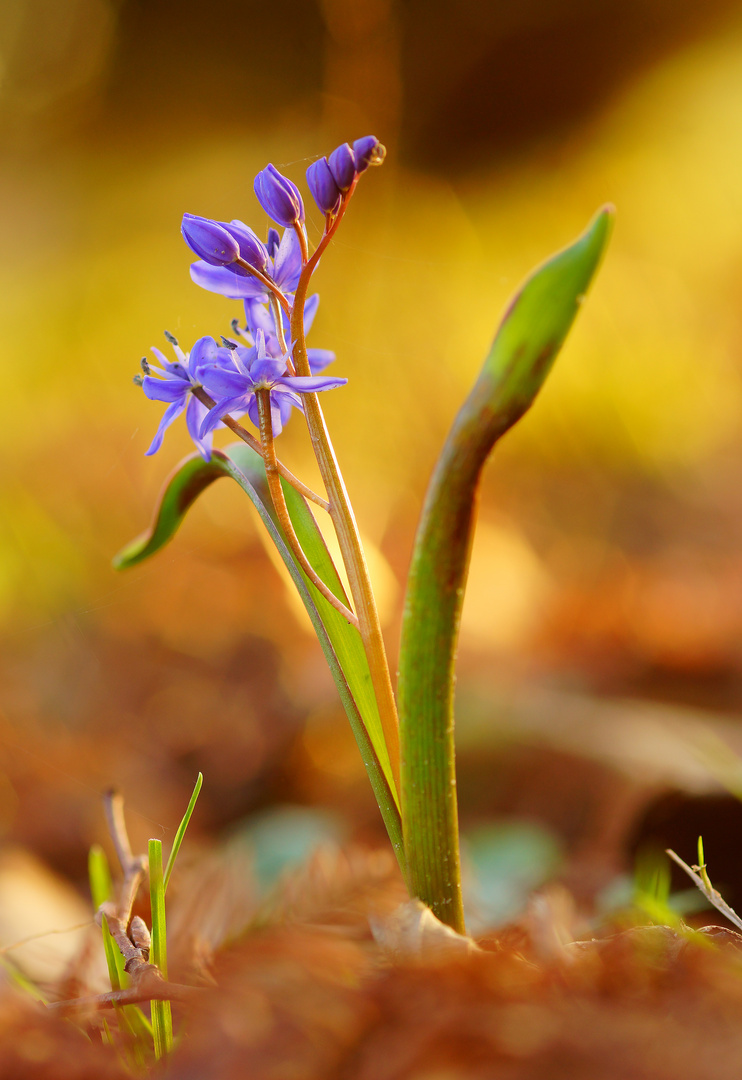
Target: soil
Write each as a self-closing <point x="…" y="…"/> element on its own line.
<point x="335" y="983"/>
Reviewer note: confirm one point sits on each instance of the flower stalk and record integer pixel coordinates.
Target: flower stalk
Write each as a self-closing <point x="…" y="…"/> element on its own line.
<point x="279" y="505"/>
<point x="343" y="519"/>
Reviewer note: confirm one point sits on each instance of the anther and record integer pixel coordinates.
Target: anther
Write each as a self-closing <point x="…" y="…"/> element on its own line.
<point x="229" y="344"/>
<point x="170" y="337"/>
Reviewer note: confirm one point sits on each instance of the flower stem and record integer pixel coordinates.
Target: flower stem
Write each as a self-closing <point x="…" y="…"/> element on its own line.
<point x="344" y="521"/>
<point x="278" y="323"/>
<point x="242" y="433"/>
<point x="269" y="284"/>
<point x="279" y="504"/>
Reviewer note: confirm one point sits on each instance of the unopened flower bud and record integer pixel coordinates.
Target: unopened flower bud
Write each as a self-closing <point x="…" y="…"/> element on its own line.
<point x="368" y="151"/>
<point x="279" y="197"/>
<point x="323" y="186"/>
<point x="343" y="166"/>
<point x="209" y="240"/>
<point x="252" y="250"/>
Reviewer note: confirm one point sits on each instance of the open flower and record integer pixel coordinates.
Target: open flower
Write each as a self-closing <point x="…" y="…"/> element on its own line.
<point x="172" y="383"/>
<point x="253" y="369"/>
<point x="259" y="317"/>
<point x="283" y="267"/>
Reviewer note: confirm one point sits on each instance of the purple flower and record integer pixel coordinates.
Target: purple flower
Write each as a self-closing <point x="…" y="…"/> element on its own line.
<point x="209" y="240"/>
<point x="368" y="151"/>
<point x="343" y="166"/>
<point x="258" y="317"/>
<point x="279" y="197"/>
<point x="283" y="267"/>
<point x="253" y="369"/>
<point x="252" y="250"/>
<point x="172" y="383"/>
<point x="323" y="186"/>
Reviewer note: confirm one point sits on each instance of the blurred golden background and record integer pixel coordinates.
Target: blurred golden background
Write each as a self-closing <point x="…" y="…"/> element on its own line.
<point x="607" y="565"/>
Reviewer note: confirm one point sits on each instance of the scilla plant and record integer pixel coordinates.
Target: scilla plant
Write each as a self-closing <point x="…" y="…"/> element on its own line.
<point x="264" y="370"/>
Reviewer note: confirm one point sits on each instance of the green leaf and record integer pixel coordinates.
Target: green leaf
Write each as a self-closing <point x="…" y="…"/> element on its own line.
<point x="537" y="321"/>
<point x="532" y="330"/>
<point x="345" y="639"/>
<point x="162" y="1020"/>
<point x="131" y="1018"/>
<point x="101" y="889"/>
<point x="182" y="828"/>
<point x="182" y="487"/>
<point x="340" y="642"/>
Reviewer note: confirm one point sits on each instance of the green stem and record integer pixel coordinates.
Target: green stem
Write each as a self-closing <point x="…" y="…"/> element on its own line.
<point x="426" y="678"/>
<point x="251" y="441"/>
<point x="344" y="521"/>
<point x="430" y="627"/>
<point x="531" y="333"/>
<point x="162" y="1022"/>
<point x="282" y="513"/>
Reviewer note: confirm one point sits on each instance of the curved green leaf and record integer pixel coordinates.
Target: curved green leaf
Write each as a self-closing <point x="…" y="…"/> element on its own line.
<point x="532" y="330"/>
<point x="182" y="487"/>
<point x="340" y="642"/>
<point x="346" y="640"/>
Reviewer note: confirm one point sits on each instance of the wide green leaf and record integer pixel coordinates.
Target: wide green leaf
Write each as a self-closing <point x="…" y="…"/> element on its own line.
<point x="531" y="333"/>
<point x="340" y="642"/>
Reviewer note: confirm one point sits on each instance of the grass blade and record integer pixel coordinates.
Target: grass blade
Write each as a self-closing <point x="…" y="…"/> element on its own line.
<point x="181" y="830"/>
<point x="101" y="890"/>
<point x="162" y="1021"/>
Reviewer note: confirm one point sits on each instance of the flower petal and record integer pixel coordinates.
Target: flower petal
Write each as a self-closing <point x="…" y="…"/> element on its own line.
<point x="215" y="415"/>
<point x="287" y="264"/>
<point x="219" y="279"/>
<point x="310" y="310"/>
<point x="319" y="359"/>
<point x="172" y="412"/>
<point x="303" y="384"/>
<point x="258" y="317"/>
<point x="267" y="369"/>
<point x="204" y="351"/>
<point x="165" y="389"/>
<point x="223" y="384"/>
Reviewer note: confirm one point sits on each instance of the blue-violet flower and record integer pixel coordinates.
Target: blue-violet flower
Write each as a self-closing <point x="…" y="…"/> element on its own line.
<point x="323" y="186"/>
<point x="172" y="383"/>
<point x="343" y="166"/>
<point x="253" y="369"/>
<point x="279" y="197"/>
<point x="283" y="267"/>
<point x="258" y="317"/>
<point x="209" y="240"/>
<point x="368" y="151"/>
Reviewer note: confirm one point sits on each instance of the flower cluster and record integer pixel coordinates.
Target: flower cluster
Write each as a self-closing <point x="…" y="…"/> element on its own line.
<point x="264" y="275"/>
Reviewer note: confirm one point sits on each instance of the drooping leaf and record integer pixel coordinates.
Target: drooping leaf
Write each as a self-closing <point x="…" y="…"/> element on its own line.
<point x="533" y="329"/>
<point x="340" y="642"/>
<point x="181" y="489"/>
<point x="346" y="640"/>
